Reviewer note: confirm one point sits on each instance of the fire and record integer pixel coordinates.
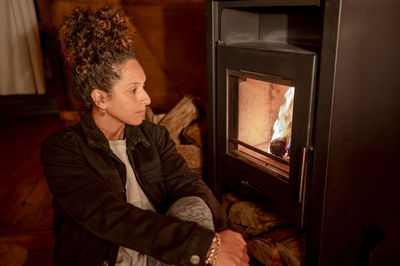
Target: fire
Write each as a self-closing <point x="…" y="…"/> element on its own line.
<point x="283" y="125"/>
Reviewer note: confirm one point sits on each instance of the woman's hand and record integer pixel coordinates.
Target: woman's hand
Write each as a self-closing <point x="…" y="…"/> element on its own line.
<point x="233" y="251"/>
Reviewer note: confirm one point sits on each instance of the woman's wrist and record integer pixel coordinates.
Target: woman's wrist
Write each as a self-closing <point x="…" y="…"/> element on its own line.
<point x="212" y="254"/>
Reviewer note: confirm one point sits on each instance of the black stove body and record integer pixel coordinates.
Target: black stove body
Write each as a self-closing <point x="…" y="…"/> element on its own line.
<point x="298" y="92"/>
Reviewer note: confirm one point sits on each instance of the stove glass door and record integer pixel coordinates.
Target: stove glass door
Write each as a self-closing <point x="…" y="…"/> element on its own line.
<point x="260" y="120"/>
<point x="264" y="118"/>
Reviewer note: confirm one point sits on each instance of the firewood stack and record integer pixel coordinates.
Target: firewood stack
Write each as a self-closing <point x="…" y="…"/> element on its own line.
<point x="270" y="239"/>
<point x="187" y="128"/>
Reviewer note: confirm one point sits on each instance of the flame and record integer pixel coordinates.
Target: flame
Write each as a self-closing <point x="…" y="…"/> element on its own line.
<point x="283" y="125"/>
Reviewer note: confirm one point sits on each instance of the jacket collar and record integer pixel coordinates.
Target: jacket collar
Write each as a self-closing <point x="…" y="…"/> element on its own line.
<point x="96" y="139"/>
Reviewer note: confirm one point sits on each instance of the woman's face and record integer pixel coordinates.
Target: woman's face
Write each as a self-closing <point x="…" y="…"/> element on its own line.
<point x="128" y="99"/>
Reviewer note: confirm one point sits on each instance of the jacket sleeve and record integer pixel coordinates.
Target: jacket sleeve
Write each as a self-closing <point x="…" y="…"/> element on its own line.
<point x="90" y="201"/>
<point x="181" y="182"/>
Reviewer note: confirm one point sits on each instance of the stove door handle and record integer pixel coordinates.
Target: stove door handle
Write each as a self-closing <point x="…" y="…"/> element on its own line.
<point x="302" y="173"/>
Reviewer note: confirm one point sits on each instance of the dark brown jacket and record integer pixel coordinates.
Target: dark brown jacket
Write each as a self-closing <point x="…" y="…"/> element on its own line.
<point x="91" y="215"/>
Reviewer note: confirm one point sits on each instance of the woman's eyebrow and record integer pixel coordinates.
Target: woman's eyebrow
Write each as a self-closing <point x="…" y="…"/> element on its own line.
<point x="135" y="83"/>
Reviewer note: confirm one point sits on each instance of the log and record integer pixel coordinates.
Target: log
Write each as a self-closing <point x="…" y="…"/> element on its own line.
<point x="253" y="218"/>
<point x="193" y="134"/>
<point x="292" y="250"/>
<point x="152" y="117"/>
<point x="279" y="234"/>
<point x="192" y="154"/>
<point x="278" y="147"/>
<point x="228" y="199"/>
<point x="148" y="116"/>
<point x="265" y="251"/>
<point x="243" y="230"/>
<point x="158" y="117"/>
<point x="180" y="117"/>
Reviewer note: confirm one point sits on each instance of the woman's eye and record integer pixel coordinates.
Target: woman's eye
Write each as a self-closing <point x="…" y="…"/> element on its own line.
<point x="132" y="90"/>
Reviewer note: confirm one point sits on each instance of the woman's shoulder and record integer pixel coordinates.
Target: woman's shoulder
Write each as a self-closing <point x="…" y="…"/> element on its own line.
<point x="62" y="145"/>
<point x="67" y="136"/>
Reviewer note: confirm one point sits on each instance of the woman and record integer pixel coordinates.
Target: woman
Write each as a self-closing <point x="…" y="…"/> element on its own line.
<point x="114" y="176"/>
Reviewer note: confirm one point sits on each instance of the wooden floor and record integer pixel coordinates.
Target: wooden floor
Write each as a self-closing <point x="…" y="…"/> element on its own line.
<point x="25" y="201"/>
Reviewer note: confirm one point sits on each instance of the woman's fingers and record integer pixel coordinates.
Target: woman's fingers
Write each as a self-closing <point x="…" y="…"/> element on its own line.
<point x="242" y="239"/>
<point x="233" y="251"/>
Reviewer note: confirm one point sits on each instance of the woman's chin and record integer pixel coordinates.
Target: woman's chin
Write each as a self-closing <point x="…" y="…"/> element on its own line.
<point x="136" y="122"/>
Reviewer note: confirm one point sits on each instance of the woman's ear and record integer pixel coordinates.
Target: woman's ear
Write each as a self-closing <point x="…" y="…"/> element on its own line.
<point x="99" y="98"/>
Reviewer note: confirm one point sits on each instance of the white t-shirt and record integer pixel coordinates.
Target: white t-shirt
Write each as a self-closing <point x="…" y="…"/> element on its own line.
<point x="135" y="196"/>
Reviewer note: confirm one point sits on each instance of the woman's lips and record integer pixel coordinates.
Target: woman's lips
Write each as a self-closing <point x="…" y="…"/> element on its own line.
<point x="141" y="112"/>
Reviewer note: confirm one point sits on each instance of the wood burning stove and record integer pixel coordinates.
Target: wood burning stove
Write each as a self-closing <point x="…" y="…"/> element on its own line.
<point x="343" y="135"/>
<point x="265" y="97"/>
<point x="264" y="74"/>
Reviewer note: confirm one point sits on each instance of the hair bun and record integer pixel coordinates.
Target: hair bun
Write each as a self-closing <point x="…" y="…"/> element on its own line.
<point x="86" y="35"/>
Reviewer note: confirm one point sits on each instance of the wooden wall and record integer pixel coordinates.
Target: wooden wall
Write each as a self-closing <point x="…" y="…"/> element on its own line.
<point x="169" y="42"/>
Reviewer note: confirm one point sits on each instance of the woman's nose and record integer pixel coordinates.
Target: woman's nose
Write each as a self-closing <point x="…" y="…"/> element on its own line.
<point x="145" y="99"/>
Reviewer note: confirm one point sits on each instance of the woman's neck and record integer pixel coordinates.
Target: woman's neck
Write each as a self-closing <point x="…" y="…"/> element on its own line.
<point x="111" y="128"/>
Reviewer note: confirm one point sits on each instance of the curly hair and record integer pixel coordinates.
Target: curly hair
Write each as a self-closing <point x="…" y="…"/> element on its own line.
<point x="95" y="44"/>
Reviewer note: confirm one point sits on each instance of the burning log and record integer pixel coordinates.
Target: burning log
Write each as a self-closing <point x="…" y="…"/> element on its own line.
<point x="292" y="250"/>
<point x="180" y="117"/>
<point x="283" y="126"/>
<point x="253" y="219"/>
<point x="278" y="147"/>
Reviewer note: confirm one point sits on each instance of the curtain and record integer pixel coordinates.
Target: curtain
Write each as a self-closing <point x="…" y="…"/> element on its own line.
<point x="21" y="63"/>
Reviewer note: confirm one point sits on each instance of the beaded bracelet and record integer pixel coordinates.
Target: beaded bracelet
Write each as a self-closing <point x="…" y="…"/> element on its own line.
<point x="214" y="250"/>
